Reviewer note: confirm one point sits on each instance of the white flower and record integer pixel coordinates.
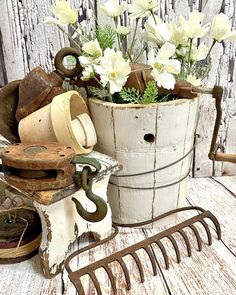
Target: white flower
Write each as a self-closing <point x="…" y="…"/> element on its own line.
<point x="142" y="8"/>
<point x="220" y="28"/>
<point x="194" y="80"/>
<point x="64" y="14"/>
<point x="178" y="35"/>
<point x="193" y="28"/>
<point x="163" y="67"/>
<point x="199" y="53"/>
<point x="87" y="73"/>
<point x="113" y="8"/>
<point x="122" y="30"/>
<point x="157" y="32"/>
<point x="94" y="50"/>
<point x="113" y="69"/>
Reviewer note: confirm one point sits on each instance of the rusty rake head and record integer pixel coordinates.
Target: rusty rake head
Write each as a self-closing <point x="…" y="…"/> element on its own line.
<point x="146" y="245"/>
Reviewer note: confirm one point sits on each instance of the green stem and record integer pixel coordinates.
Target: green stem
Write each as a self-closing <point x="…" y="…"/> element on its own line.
<point x="212" y="45"/>
<point x="189" y="57"/>
<point x="134" y="36"/>
<point x="70" y="38"/>
<point x="118" y="36"/>
<point x="99" y="82"/>
<point x="153" y="15"/>
<point x="140" y="53"/>
<point x="82" y="36"/>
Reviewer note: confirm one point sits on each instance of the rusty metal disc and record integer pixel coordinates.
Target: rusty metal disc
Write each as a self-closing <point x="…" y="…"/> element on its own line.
<point x="12" y="226"/>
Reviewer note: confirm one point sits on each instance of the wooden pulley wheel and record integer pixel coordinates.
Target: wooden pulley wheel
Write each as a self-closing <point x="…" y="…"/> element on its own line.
<point x="38" y="166"/>
<point x="20" y="235"/>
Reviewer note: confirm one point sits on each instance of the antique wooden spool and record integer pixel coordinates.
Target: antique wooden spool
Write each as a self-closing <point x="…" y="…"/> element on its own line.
<point x="20" y="235"/>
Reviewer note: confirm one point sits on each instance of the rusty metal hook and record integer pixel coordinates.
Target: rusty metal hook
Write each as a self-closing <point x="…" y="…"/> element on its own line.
<point x="85" y="180"/>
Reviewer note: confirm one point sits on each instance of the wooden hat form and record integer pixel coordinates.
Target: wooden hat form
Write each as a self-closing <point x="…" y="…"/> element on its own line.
<point x="66" y="120"/>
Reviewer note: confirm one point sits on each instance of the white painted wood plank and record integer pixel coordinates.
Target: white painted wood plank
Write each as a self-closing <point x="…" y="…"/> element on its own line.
<point x="229" y="182"/>
<point x="27" y="42"/>
<point x="207" y="193"/>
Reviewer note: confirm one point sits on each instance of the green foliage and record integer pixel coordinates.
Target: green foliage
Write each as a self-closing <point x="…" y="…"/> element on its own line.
<point x="106" y="36"/>
<point x="130" y="95"/>
<point x="150" y="94"/>
<point x="100" y="93"/>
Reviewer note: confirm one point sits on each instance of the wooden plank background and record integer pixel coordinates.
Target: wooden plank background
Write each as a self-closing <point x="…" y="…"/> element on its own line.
<point x="26" y="42"/>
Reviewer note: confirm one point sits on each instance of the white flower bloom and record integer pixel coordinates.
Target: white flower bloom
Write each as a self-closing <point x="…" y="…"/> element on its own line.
<point x="122" y="30"/>
<point x="113" y="69"/>
<point x="142" y="8"/>
<point x="64" y="14"/>
<point x="193" y="28"/>
<point x="157" y="32"/>
<point x="220" y="28"/>
<point x="93" y="48"/>
<point x="86" y="60"/>
<point x="163" y="67"/>
<point x="113" y="8"/>
<point x="178" y="35"/>
<point x="87" y="73"/>
<point x="199" y="53"/>
<point x="194" y="80"/>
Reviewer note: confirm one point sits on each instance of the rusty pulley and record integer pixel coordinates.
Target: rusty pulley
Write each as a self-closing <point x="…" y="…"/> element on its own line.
<point x="48" y="166"/>
<point x="41" y="166"/>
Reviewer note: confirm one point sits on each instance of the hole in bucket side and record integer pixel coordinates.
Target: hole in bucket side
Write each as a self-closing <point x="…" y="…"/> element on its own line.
<point x="149" y="137"/>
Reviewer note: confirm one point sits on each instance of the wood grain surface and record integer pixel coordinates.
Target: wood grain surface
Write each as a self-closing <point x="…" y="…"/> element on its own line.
<point x="27" y="42"/>
<point x="209" y="272"/>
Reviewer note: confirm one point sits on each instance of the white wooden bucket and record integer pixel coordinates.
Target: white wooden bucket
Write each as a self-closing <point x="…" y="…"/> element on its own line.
<point x="145" y="138"/>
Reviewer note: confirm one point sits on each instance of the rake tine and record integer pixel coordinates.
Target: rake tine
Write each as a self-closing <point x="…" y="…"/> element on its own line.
<point x="80" y="288"/>
<point x="216" y="223"/>
<point x="139" y="265"/>
<point x="186" y="239"/>
<point x="126" y="272"/>
<point x="164" y="253"/>
<point x="173" y="242"/>
<point x="111" y="277"/>
<point x="96" y="283"/>
<point x="152" y="259"/>
<point x="205" y="225"/>
<point x="196" y="233"/>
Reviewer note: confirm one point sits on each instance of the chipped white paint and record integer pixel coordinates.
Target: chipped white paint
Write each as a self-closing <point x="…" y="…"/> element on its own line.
<point x="209" y="272"/>
<point x="145" y="138"/>
<point x="62" y="224"/>
<point x="27" y="42"/>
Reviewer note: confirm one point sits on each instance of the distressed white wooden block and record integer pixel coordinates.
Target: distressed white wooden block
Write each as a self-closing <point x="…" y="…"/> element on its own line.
<point x="61" y="224"/>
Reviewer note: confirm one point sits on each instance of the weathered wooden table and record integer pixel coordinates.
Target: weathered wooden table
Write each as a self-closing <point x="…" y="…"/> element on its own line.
<point x="212" y="271"/>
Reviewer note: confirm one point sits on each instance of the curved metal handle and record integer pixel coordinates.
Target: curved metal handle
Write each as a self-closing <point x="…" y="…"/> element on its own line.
<point x="217" y="93"/>
<point x="61" y="69"/>
<point x="85" y="180"/>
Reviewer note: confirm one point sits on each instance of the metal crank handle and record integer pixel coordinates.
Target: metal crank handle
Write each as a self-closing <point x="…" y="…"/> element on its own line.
<point x="84" y="179"/>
